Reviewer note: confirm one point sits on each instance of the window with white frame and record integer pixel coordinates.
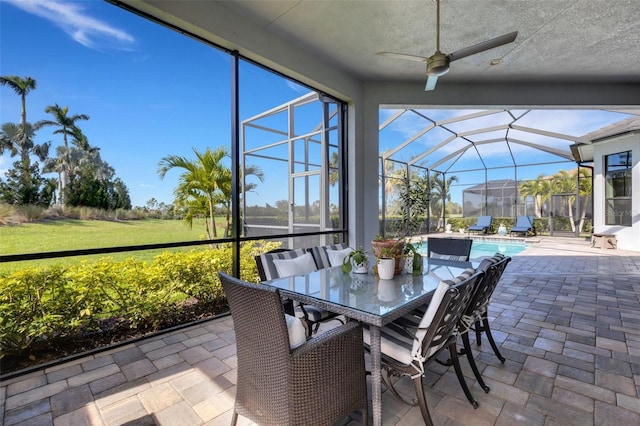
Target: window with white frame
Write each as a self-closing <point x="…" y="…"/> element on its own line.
<point x="618" y="189"/>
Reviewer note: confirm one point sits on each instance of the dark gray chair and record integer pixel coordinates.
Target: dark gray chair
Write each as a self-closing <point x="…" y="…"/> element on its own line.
<point x="449" y="248"/>
<point x="412" y="342"/>
<point x="482" y="225"/>
<point x="523" y="225"/>
<point x="270" y="267"/>
<point x="318" y="383"/>
<point x="477" y="313"/>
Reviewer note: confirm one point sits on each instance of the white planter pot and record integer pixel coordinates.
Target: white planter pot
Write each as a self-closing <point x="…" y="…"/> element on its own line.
<point x="360" y="268"/>
<point x="386" y="268"/>
<point x="408" y="264"/>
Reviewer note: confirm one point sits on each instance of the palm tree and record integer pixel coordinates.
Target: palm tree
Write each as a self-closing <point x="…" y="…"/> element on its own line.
<point x="565" y="183"/>
<point x="225" y="185"/>
<point x="539" y="189"/>
<point x="66" y="127"/>
<point x="22" y="87"/>
<point x="440" y="193"/>
<point x="19" y="138"/>
<point x="205" y="184"/>
<point x="199" y="182"/>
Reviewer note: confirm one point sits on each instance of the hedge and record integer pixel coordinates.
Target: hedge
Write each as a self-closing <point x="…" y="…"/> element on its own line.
<point x="46" y="302"/>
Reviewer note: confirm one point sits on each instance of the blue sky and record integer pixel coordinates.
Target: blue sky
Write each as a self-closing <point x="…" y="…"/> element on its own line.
<point x="151" y="92"/>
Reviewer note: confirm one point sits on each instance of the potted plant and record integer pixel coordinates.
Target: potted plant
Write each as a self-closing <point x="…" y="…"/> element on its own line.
<point x="386" y="262"/>
<point x="391" y="247"/>
<point x="413" y="262"/>
<point x="357" y="260"/>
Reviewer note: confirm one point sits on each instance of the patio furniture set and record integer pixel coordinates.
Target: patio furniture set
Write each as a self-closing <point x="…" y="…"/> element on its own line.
<point x="288" y="373"/>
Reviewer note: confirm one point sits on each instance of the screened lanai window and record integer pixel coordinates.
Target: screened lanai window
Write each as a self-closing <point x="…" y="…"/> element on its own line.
<point x="293" y="136"/>
<point x="159" y="111"/>
<point x="618" y="189"/>
<point x="498" y="162"/>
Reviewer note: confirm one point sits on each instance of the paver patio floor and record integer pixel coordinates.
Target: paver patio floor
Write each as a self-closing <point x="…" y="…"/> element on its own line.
<point x="566" y="317"/>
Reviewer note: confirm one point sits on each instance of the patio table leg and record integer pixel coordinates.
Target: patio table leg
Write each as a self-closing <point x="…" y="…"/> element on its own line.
<point x="376" y="375"/>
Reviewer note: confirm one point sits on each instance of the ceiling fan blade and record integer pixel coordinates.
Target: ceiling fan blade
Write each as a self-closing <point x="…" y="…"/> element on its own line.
<point x="431" y="83"/>
<point x="481" y="47"/>
<point x="403" y="56"/>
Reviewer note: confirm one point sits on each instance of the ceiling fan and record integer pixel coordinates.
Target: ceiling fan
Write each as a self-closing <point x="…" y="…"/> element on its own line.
<point x="438" y="63"/>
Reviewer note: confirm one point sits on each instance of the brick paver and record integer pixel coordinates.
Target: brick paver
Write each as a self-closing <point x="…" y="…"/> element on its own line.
<point x="565" y="316"/>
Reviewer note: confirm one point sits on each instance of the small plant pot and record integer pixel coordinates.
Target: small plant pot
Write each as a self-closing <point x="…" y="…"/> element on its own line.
<point x="408" y="264"/>
<point x="360" y="267"/>
<point x="386" y="268"/>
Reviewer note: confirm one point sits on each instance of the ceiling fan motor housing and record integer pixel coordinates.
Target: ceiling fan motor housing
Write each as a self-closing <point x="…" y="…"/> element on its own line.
<point x="438" y="64"/>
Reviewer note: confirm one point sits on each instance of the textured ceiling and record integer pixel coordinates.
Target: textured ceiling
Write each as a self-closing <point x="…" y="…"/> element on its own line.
<point x="558" y="40"/>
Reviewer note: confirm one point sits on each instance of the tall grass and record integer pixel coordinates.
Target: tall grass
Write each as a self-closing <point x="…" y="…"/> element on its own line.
<point x="11" y="215"/>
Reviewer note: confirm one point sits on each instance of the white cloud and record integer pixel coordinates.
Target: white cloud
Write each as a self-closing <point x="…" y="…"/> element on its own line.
<point x="72" y="18"/>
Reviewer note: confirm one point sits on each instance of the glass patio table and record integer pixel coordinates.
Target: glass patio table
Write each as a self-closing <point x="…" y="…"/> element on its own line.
<point x="365" y="298"/>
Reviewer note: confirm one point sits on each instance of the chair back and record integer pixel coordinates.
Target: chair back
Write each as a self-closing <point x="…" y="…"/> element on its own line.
<point x="443" y="326"/>
<point x="262" y="338"/>
<point x="524" y="222"/>
<point x="493" y="267"/>
<point x="265" y="262"/>
<point x="449" y="248"/>
<point x="323" y="254"/>
<point x="484" y="221"/>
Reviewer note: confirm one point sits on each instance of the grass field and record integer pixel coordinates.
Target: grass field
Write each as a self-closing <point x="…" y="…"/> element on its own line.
<point x="69" y="234"/>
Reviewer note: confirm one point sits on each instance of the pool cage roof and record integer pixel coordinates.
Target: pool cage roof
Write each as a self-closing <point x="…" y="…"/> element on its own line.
<point x="483" y="155"/>
<point x="448" y="141"/>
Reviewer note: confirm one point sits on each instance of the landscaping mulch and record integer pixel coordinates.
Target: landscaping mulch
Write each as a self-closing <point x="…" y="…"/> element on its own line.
<point x="108" y="332"/>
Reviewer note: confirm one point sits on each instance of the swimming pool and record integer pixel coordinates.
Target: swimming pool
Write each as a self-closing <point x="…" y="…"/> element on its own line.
<point x="481" y="248"/>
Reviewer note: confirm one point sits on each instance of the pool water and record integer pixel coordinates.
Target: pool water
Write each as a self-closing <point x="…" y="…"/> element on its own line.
<point x="489" y="248"/>
<point x="481" y="248"/>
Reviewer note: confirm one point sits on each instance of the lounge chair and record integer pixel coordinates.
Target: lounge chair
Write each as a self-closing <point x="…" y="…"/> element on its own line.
<point x="523" y="225"/>
<point x="482" y="225"/>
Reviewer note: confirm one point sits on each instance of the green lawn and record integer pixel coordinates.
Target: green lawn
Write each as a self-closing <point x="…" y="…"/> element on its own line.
<point x="69" y="234"/>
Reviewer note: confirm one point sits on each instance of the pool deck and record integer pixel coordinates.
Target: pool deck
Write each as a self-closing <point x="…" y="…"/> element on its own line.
<point x="565" y="315"/>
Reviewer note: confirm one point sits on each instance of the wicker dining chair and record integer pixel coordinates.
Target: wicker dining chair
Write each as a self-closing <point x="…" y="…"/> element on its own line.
<point x="410" y="343"/>
<point x="318" y="383"/>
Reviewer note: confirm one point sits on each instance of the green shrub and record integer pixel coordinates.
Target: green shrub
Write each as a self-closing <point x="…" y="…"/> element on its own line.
<point x="46" y="302"/>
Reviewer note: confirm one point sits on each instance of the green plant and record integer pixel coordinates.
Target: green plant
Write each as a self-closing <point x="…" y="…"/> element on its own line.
<point x="43" y="303"/>
<point x="411" y="249"/>
<point x="358" y="256"/>
<point x="390" y="252"/>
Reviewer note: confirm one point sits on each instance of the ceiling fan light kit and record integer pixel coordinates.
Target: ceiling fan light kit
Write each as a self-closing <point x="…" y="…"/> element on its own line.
<point x="438" y="64"/>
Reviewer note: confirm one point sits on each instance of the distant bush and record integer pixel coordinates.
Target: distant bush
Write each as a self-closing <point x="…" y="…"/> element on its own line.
<point x="15" y="215"/>
<point x="46" y="302"/>
<point x="8" y="214"/>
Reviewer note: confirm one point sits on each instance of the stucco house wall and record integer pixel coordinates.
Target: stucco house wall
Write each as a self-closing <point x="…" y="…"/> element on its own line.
<point x="628" y="236"/>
